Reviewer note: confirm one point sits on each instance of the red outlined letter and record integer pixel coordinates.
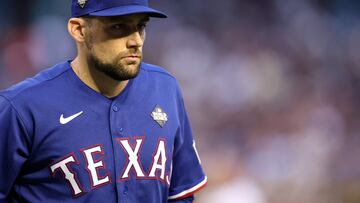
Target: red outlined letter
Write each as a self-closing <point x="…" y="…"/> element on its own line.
<point x="159" y="160"/>
<point x="92" y="166"/>
<point x="133" y="157"/>
<point x="70" y="176"/>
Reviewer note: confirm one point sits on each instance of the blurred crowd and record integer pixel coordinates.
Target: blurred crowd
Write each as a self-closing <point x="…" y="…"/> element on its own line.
<point x="272" y="88"/>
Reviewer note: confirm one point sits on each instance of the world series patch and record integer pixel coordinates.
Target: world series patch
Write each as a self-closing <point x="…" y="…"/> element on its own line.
<point x="82" y="3"/>
<point x="159" y="115"/>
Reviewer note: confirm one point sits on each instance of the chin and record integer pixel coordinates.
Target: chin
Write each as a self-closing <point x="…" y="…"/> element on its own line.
<point x="132" y="67"/>
<point x="124" y="73"/>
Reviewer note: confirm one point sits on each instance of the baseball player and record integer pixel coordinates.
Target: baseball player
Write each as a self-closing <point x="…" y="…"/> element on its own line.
<point x="103" y="127"/>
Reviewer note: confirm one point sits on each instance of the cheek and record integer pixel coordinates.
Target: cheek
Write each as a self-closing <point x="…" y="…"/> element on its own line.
<point x="108" y="50"/>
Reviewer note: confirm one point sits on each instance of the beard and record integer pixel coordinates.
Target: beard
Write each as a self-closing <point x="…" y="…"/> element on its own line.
<point x="116" y="69"/>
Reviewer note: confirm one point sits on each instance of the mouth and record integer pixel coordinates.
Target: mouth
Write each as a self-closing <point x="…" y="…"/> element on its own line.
<point x="132" y="57"/>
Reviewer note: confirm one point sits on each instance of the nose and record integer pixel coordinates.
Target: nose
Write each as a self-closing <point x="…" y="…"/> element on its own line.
<point x="135" y="40"/>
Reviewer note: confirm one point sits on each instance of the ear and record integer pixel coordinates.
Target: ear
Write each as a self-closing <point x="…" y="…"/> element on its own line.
<point x="76" y="28"/>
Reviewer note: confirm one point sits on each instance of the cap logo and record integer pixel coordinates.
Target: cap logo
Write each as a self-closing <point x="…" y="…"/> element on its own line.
<point x="82" y="3"/>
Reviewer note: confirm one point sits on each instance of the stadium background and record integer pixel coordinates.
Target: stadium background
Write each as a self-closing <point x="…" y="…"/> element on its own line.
<point x="271" y="86"/>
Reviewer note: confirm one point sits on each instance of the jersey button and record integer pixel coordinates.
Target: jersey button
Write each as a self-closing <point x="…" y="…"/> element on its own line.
<point x="115" y="108"/>
<point x="121" y="129"/>
<point x="125" y="191"/>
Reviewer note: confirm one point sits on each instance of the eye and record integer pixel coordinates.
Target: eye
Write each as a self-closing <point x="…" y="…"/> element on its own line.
<point x="141" y="26"/>
<point x="118" y="27"/>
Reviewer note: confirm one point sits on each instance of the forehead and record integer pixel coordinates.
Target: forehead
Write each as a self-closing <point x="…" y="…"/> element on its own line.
<point x="133" y="18"/>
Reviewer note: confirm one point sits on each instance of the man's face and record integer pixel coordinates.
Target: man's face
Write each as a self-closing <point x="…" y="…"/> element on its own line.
<point x="114" y="44"/>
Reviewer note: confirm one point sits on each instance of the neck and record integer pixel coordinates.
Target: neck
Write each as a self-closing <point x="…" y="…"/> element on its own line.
<point x="96" y="80"/>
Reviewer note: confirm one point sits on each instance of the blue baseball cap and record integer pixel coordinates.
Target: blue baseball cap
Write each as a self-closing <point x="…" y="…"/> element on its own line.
<point x="113" y="8"/>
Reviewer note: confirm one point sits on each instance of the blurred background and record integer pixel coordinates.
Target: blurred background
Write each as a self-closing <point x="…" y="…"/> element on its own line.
<point x="271" y="86"/>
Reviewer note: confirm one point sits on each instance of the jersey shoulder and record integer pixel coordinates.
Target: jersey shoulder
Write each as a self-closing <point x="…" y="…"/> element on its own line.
<point x="157" y="70"/>
<point x="161" y="79"/>
<point x="32" y="83"/>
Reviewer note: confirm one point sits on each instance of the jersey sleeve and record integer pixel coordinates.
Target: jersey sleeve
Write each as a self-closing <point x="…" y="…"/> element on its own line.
<point x="13" y="147"/>
<point x="189" y="199"/>
<point x="187" y="175"/>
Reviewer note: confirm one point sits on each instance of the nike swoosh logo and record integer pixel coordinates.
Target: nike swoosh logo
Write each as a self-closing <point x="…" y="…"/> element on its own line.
<point x="68" y="119"/>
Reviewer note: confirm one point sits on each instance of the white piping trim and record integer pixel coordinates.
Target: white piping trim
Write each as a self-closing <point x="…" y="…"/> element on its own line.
<point x="188" y="191"/>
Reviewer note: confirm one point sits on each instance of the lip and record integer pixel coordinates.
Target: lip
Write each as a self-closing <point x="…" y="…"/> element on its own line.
<point x="132" y="56"/>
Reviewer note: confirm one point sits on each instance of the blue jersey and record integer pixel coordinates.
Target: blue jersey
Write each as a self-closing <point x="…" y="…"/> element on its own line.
<point x="61" y="141"/>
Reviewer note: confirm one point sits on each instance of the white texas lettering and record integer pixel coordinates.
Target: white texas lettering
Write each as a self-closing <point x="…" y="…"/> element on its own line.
<point x="70" y="176"/>
<point x="159" y="156"/>
<point x="133" y="158"/>
<point x="93" y="166"/>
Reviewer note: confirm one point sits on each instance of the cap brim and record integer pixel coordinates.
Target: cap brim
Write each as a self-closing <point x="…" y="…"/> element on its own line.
<point x="127" y="10"/>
